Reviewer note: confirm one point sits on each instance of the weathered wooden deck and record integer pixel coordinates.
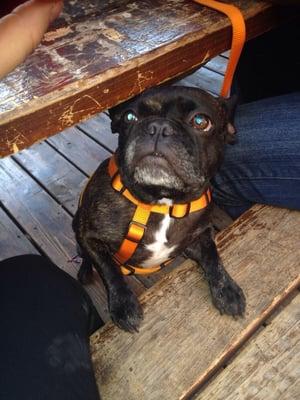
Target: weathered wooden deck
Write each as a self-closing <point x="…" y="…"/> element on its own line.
<point x="184" y="346"/>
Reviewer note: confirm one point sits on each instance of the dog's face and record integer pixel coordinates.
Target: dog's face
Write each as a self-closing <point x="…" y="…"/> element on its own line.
<point x="171" y="141"/>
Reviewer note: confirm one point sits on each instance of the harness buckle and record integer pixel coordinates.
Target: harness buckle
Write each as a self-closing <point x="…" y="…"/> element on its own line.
<point x="136" y="231"/>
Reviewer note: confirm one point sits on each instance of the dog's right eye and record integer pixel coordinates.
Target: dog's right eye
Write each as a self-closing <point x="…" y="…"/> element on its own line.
<point x="130" y="116"/>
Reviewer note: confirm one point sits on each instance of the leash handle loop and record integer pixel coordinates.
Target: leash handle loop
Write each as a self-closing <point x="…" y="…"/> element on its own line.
<point x="237" y="41"/>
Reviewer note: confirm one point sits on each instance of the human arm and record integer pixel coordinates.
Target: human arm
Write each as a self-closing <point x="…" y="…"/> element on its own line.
<point x="22" y="30"/>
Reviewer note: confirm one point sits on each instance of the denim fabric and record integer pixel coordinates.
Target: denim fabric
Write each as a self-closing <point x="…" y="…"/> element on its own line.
<point x="264" y="165"/>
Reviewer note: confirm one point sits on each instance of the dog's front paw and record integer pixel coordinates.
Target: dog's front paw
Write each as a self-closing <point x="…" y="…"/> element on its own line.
<point x="126" y="311"/>
<point x="228" y="297"/>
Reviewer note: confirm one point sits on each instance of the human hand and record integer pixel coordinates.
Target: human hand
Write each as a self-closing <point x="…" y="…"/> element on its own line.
<point x="22" y="30"/>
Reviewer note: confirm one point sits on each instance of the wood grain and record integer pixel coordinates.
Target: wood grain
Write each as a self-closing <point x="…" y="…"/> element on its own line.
<point x="85" y="153"/>
<point x="268" y="367"/>
<point x="13" y="242"/>
<point x="99" y="129"/>
<point x="217" y="64"/>
<point x="62" y="179"/>
<point x="183" y="339"/>
<point x="42" y="217"/>
<point x="45" y="221"/>
<point x="98" y="54"/>
<point x="204" y="79"/>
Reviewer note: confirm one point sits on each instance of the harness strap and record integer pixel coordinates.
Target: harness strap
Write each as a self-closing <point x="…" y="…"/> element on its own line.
<point x="238" y="38"/>
<point x="175" y="211"/>
<point x="138" y="224"/>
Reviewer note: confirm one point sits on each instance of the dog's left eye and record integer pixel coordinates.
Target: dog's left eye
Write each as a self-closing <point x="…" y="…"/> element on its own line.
<point x="130" y="116"/>
<point x="200" y="121"/>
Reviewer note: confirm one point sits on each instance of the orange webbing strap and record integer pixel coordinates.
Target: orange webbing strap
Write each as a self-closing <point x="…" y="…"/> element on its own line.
<point x="237" y="42"/>
<point x="135" y="233"/>
<point x="129" y="270"/>
<point x="175" y="211"/>
<point x="138" y="223"/>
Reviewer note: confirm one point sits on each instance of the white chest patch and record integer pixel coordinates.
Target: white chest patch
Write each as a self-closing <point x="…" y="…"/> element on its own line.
<point x="159" y="248"/>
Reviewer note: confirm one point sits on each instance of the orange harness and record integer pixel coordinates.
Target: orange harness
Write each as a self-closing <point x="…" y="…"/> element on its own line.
<point x="138" y="223"/>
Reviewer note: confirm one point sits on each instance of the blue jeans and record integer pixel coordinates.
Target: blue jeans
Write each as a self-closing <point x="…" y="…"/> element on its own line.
<point x="264" y="165"/>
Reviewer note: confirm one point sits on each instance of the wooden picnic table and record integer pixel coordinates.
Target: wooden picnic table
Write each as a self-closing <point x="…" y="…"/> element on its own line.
<point x="99" y="53"/>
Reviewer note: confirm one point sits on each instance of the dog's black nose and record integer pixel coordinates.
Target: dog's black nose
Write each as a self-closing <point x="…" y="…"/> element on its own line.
<point x="158" y="127"/>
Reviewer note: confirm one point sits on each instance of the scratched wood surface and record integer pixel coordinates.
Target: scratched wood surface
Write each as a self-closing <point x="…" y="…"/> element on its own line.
<point x="183" y="339"/>
<point x="99" y="53"/>
<point x="268" y="368"/>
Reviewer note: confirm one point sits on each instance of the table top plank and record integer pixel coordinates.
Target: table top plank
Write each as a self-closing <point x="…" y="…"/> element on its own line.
<point x="183" y="339"/>
<point x="98" y="54"/>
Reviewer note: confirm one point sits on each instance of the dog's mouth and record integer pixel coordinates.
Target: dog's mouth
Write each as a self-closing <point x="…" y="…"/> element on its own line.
<point x="157" y="170"/>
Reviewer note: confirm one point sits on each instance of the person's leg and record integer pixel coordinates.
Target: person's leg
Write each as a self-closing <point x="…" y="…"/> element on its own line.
<point x="264" y="165"/>
<point x="44" y="335"/>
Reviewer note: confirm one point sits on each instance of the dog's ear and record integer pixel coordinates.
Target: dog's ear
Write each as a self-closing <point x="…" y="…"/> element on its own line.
<point x="229" y="105"/>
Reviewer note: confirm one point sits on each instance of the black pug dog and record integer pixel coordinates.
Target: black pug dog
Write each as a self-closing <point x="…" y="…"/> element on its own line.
<point x="171" y="143"/>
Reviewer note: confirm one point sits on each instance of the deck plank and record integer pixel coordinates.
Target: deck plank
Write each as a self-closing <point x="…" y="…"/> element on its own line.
<point x="64" y="182"/>
<point x="217" y="64"/>
<point x="62" y="179"/>
<point x="99" y="129"/>
<point x="45" y="221"/>
<point x="12" y="240"/>
<point x="81" y="150"/>
<point x="268" y="367"/>
<point x="204" y="79"/>
<point x="183" y="339"/>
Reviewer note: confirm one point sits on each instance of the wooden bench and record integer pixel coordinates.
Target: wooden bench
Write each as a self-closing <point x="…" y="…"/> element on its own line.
<point x="98" y="54"/>
<point x="183" y="340"/>
<point x="268" y="368"/>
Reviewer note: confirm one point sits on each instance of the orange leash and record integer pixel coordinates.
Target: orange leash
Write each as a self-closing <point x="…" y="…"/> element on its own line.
<point x="237" y="42"/>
